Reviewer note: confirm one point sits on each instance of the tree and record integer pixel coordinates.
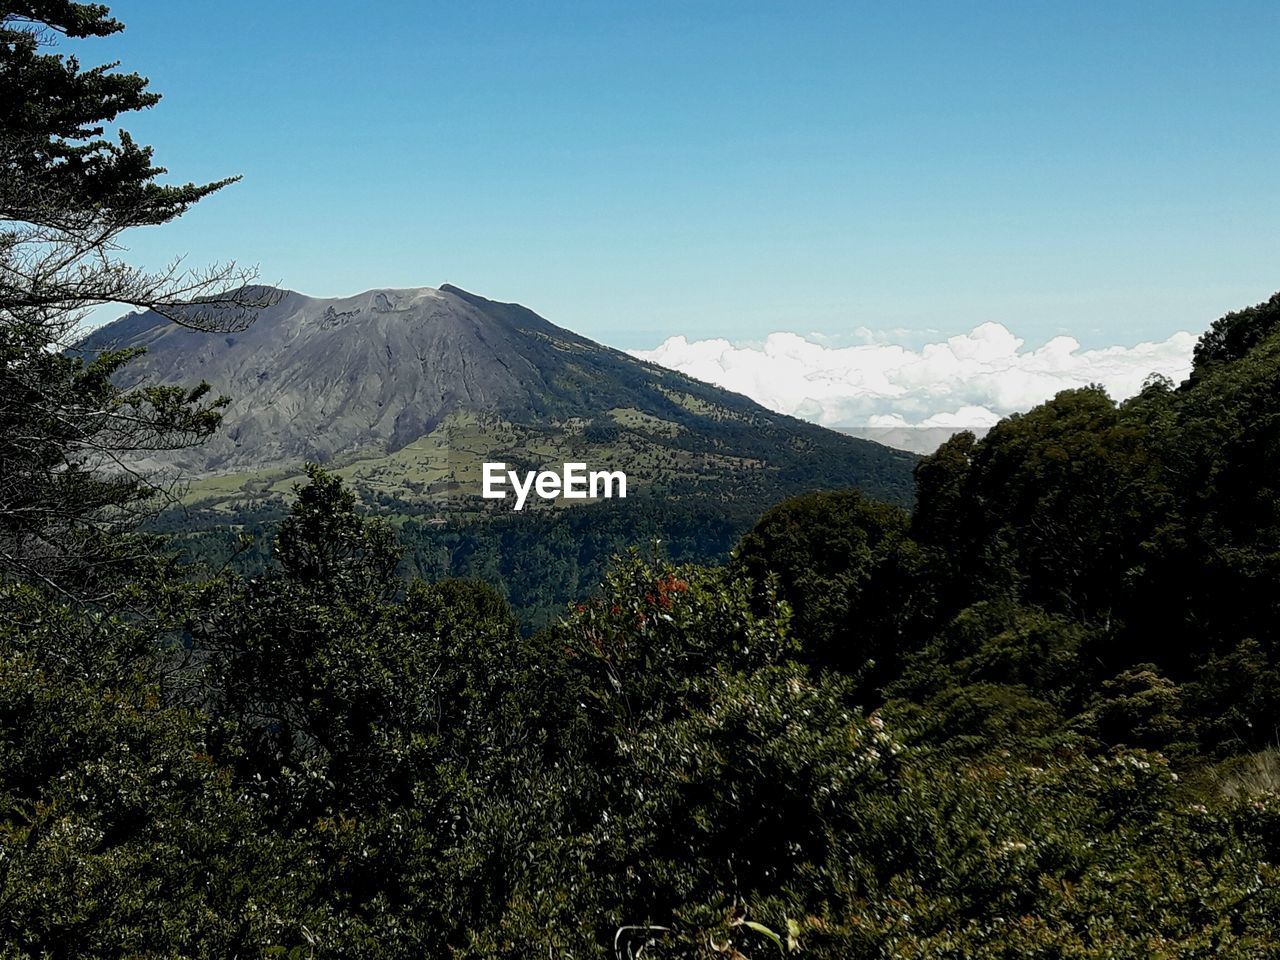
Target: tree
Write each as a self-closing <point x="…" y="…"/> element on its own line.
<point x="67" y="194"/>
<point x="1053" y="507"/>
<point x="119" y="834"/>
<point x="849" y="571"/>
<point x="386" y="725"/>
<point x="1234" y="335"/>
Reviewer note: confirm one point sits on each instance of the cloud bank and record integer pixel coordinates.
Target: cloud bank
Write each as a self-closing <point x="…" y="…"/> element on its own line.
<point x="916" y="398"/>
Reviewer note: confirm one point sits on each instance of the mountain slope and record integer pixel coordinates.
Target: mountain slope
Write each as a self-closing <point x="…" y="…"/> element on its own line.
<point x="409" y="389"/>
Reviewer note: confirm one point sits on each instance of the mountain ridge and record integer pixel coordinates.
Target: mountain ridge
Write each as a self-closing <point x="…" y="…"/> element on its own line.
<point x="365" y="376"/>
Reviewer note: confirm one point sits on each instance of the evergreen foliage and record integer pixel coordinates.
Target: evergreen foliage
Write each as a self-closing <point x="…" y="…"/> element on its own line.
<point x="67" y="193"/>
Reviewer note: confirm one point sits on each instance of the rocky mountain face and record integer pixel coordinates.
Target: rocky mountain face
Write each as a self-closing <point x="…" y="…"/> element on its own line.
<point x="362" y="377"/>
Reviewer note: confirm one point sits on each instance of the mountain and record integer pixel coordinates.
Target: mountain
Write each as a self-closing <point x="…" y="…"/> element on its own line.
<point x="409" y="389"/>
<point x="405" y="393"/>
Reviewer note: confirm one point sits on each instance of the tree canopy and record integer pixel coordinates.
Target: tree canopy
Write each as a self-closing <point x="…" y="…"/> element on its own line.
<point x="68" y="192"/>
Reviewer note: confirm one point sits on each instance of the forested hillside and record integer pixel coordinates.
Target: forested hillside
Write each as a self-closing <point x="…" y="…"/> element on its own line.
<point x="1034" y="716"/>
<point x="404" y="394"/>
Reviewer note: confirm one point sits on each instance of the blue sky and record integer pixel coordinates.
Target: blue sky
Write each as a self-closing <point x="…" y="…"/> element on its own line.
<point x="640" y="170"/>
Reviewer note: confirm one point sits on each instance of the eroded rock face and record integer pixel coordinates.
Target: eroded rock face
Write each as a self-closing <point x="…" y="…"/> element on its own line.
<point x="311" y="378"/>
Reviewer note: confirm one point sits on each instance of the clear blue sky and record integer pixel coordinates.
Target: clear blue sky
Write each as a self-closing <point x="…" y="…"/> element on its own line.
<point x="641" y="169"/>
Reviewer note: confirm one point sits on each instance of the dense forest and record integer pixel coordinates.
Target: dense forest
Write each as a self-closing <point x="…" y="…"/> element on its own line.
<point x="1034" y="716"/>
<point x="538" y="560"/>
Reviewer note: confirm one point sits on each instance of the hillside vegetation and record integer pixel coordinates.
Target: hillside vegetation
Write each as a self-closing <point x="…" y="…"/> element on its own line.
<point x="1035" y="716"/>
<point x="694" y="491"/>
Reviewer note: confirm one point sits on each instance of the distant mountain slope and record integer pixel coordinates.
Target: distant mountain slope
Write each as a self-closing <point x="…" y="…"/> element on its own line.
<point x="385" y="383"/>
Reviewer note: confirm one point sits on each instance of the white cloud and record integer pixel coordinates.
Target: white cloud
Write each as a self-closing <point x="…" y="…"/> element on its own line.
<point x="963" y="382"/>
